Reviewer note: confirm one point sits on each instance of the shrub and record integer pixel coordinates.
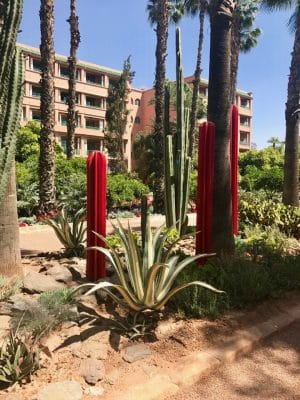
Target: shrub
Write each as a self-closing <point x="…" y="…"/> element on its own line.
<point x="267" y="213"/>
<point x="244" y="282"/>
<point x="122" y="190"/>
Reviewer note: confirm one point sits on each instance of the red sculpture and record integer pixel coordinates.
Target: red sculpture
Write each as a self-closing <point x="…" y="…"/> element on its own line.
<point x="96" y="214"/>
<point x="205" y="188"/>
<point x="234" y="155"/>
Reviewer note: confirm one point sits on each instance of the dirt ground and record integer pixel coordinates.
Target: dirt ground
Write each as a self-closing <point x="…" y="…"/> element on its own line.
<point x="271" y="372"/>
<point x="172" y="340"/>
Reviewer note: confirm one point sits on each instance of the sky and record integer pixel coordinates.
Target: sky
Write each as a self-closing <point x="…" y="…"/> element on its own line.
<point x="113" y="29"/>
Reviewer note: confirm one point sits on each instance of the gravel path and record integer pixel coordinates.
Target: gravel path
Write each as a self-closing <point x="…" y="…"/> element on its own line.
<point x="271" y="372"/>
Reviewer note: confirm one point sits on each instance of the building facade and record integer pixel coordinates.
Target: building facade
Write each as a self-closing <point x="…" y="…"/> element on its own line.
<point x="92" y="91"/>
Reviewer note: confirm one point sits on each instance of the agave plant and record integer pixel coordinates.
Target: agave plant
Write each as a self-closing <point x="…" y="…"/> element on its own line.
<point x="152" y="270"/>
<point x="71" y="235"/>
<point x="19" y="359"/>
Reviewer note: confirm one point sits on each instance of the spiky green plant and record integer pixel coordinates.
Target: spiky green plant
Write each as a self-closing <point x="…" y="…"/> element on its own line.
<point x="71" y="235"/>
<point x="19" y="359"/>
<point x="177" y="161"/>
<point x="11" y="85"/>
<point x="152" y="270"/>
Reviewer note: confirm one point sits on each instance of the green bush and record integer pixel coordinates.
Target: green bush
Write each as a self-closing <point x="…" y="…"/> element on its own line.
<point x="122" y="190"/>
<point x="245" y="282"/>
<point x="267" y="213"/>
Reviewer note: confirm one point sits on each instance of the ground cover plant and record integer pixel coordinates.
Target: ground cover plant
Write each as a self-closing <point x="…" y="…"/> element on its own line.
<point x="8" y="286"/>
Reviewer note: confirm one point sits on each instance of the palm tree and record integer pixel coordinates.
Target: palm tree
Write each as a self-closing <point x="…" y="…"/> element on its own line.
<point x="160" y="17"/>
<point x="243" y="36"/>
<point x="274" y="141"/>
<point x="74" y="43"/>
<point x="194" y="7"/>
<point x="291" y="156"/>
<point x="46" y="160"/>
<point x="221" y="13"/>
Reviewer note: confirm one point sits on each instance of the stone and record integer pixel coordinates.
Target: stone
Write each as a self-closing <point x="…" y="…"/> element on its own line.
<point x="113" y="377"/>
<point x="94" y="349"/>
<point x="38" y="283"/>
<point x="51" y="342"/>
<point x="136" y="352"/>
<point x="60" y="273"/>
<point x="95" y="391"/>
<point x="92" y="370"/>
<point x="4" y="326"/>
<point x="23" y="304"/>
<point x="68" y="261"/>
<point x="68" y="390"/>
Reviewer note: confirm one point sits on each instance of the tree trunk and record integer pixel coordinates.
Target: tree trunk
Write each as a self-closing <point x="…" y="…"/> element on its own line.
<point x="219" y="113"/>
<point x="235" y="53"/>
<point x="160" y="76"/>
<point x="291" y="158"/>
<point x="10" y="259"/>
<point x="196" y="83"/>
<point x="46" y="161"/>
<point x="74" y="43"/>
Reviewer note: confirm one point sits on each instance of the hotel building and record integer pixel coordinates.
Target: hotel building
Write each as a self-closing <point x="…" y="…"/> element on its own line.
<point x="92" y="91"/>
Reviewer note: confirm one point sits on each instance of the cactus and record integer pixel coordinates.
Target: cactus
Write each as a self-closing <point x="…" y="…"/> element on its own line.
<point x="177" y="161"/>
<point x="11" y="87"/>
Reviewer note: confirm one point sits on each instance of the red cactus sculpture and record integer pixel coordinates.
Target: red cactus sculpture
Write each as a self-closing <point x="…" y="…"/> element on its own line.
<point x="96" y="214"/>
<point x="234" y="154"/>
<point x="205" y="187"/>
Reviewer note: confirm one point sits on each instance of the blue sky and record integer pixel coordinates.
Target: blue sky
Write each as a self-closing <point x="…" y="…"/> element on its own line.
<point x="113" y="29"/>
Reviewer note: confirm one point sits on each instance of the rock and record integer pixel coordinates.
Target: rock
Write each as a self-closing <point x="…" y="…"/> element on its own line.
<point x="22" y="304"/>
<point x="60" y="273"/>
<point x="95" y="391"/>
<point x="113" y="377"/>
<point x="136" y="352"/>
<point x="94" y="349"/>
<point x="68" y="261"/>
<point x="92" y="370"/>
<point x="38" y="283"/>
<point x="52" y="342"/>
<point x="4" y="326"/>
<point x="68" y="390"/>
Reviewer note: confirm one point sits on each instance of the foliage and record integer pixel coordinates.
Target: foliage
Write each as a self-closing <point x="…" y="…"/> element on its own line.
<point x="49" y="312"/>
<point x="268" y="213"/>
<point x="71" y="235"/>
<point x="19" y="359"/>
<point x="245" y="282"/>
<point x="151" y="270"/>
<point x="193" y="186"/>
<point x="53" y="298"/>
<point x="142" y="153"/>
<point x="122" y="189"/>
<point x="8" y="287"/>
<point x="116" y="118"/>
<point x="28" y="141"/>
<point x="261" y="159"/>
<point x="29" y="202"/>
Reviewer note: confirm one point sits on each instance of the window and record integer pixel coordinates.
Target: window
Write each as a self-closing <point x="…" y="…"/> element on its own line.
<point x="95" y="79"/>
<point x="65" y="95"/>
<point x="94" y="123"/>
<point x="137" y="102"/>
<point x="244" y="138"/>
<point x="64" y="71"/>
<point x="23" y="114"/>
<point x="36" y="65"/>
<point x="97" y="102"/>
<point x="137" y="120"/>
<point x="36" y="115"/>
<point x="244" y="121"/>
<point x="63" y="119"/>
<point x="202" y="91"/>
<point x="35" y="91"/>
<point x="94" y="145"/>
<point x="245" y="103"/>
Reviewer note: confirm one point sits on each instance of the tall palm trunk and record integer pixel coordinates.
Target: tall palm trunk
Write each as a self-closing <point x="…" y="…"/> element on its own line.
<point x="74" y="43"/>
<point x="235" y="52"/>
<point x="291" y="160"/>
<point x="196" y="83"/>
<point x="160" y="77"/>
<point x="46" y="161"/>
<point x="219" y="112"/>
<point x="10" y="257"/>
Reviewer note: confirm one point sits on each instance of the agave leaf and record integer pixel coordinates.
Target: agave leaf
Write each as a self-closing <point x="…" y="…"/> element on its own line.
<point x="160" y="245"/>
<point x="147" y="251"/>
<point x="150" y="286"/>
<point x="176" y="269"/>
<point x="136" y="264"/>
<point x="134" y="305"/>
<point x="172" y="292"/>
<point x="4" y="379"/>
<point x="172" y="262"/>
